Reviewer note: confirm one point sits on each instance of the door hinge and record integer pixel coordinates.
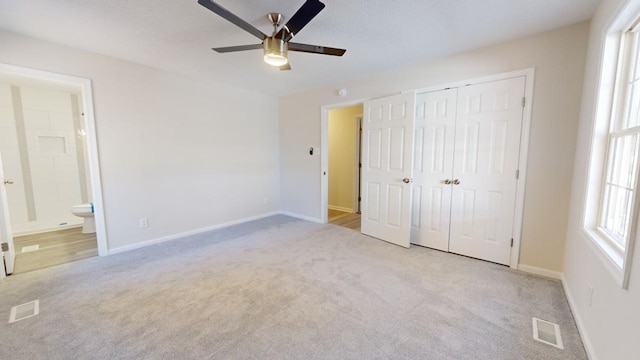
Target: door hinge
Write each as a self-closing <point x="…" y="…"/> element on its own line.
<point x="517" y="174"/>
<point x="524" y="101"/>
<point x="5" y="247"/>
<point x="360" y="165"/>
<point x="511" y="242"/>
<point x="359" y="198"/>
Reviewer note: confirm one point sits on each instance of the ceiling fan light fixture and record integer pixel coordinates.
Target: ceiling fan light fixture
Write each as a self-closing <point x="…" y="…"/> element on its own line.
<point x="275" y="52"/>
<point x="275" y="59"/>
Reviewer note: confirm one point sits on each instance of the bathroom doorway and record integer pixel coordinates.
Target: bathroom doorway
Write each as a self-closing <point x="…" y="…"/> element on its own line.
<point x="49" y="160"/>
<point x="344" y="125"/>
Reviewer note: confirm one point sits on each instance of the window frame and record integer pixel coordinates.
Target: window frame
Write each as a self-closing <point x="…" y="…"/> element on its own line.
<point x="612" y="109"/>
<point x="626" y="78"/>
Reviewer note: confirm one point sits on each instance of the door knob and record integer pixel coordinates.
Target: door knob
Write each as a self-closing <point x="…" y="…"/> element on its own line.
<point x="406" y="180"/>
<point x="8" y="182"/>
<point x="456" y="182"/>
<point x="446" y="182"/>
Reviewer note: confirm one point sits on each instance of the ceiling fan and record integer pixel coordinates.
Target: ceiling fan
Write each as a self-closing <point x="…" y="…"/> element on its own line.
<point x="277" y="45"/>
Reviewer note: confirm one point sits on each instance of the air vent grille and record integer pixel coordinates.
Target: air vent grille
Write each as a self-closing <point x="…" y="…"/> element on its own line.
<point x="24" y="311"/>
<point x="547" y="332"/>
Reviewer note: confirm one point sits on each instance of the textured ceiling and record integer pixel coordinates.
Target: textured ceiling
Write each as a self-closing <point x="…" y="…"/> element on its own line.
<point x="379" y="35"/>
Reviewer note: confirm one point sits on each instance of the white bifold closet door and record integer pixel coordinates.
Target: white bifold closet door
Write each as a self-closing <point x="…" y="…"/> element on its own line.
<point x="467" y="148"/>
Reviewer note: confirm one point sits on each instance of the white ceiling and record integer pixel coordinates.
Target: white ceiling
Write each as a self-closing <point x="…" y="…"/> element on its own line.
<point x="379" y="35"/>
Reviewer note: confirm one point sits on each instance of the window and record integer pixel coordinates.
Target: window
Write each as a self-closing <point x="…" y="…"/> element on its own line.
<point x="612" y="203"/>
<point x="620" y="183"/>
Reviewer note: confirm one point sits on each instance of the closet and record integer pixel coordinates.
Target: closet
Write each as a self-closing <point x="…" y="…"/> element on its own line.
<point x="465" y="168"/>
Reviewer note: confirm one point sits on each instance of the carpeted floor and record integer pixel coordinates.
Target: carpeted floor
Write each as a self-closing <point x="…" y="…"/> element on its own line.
<point x="281" y="288"/>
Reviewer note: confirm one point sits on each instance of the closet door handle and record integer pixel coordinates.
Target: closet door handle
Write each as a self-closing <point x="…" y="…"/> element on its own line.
<point x="456" y="182"/>
<point x="8" y="182"/>
<point x="446" y="182"/>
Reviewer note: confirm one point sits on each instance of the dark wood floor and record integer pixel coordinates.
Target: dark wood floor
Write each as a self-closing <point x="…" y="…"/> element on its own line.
<point x="54" y="248"/>
<point x="344" y="219"/>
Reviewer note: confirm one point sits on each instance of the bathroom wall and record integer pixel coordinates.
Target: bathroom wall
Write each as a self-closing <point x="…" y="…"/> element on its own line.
<point x="343" y="158"/>
<point x="42" y="147"/>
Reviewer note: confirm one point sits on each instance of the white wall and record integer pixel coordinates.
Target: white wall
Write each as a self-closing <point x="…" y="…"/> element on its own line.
<point x="185" y="153"/>
<point x="343" y="157"/>
<point x="610" y="326"/>
<point x="558" y="57"/>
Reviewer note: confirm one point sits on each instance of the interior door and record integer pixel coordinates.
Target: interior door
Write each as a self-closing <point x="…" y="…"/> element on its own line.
<point x="387" y="154"/>
<point x="5" y="226"/>
<point x="433" y="168"/>
<point x="488" y="124"/>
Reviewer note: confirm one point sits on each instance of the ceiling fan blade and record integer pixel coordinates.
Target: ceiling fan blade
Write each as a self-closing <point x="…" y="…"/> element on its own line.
<point x="286" y="66"/>
<point x="209" y="4"/>
<point x="237" y="48"/>
<point x="315" y="49"/>
<point x="300" y="19"/>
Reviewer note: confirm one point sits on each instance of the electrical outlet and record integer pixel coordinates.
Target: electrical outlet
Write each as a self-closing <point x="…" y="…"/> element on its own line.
<point x="589" y="294"/>
<point x="143" y="223"/>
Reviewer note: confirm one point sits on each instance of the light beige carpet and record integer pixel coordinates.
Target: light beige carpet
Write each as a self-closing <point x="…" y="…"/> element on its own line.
<point x="281" y="288"/>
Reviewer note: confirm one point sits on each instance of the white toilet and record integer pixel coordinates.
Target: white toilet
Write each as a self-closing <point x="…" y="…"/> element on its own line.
<point x="85" y="211"/>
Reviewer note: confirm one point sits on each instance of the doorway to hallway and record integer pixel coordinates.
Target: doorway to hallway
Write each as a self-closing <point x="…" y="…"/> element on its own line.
<point x="343" y="175"/>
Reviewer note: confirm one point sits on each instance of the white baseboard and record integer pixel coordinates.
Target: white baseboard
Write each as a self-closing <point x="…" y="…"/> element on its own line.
<point x="302" y="217"/>
<point x="586" y="341"/>
<point x="187" y="233"/>
<point x="540" y="271"/>
<point x="340" y="208"/>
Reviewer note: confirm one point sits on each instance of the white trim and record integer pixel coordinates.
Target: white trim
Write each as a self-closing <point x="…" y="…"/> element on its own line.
<point x="522" y="162"/>
<point x="188" y="233"/>
<point x="305" y="218"/>
<point x="340" y="208"/>
<point x="474" y="81"/>
<point x="540" y="271"/>
<point x="3" y="274"/>
<point x="91" y="136"/>
<point x="324" y="155"/>
<point x="582" y="330"/>
<point x="357" y="171"/>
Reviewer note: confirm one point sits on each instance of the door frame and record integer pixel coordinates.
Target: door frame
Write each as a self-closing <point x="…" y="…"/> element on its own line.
<point x="324" y="153"/>
<point x="91" y="136"/>
<point x="358" y="161"/>
<point x="529" y="75"/>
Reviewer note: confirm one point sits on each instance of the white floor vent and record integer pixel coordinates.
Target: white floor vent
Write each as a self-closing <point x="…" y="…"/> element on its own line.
<point x="547" y="332"/>
<point x="24" y="311"/>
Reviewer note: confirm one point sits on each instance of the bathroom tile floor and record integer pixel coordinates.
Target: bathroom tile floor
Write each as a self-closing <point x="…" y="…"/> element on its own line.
<point x="53" y="248"/>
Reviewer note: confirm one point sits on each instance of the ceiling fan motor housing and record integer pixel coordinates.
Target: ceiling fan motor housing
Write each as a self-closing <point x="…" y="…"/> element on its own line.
<point x="275" y="51"/>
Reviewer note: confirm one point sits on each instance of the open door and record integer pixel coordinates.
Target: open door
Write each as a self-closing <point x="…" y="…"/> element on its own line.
<point x="6" y="238"/>
<point x="387" y="156"/>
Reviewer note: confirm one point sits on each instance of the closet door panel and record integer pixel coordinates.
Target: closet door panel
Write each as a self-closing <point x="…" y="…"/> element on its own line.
<point x="487" y="145"/>
<point x="433" y="168"/>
